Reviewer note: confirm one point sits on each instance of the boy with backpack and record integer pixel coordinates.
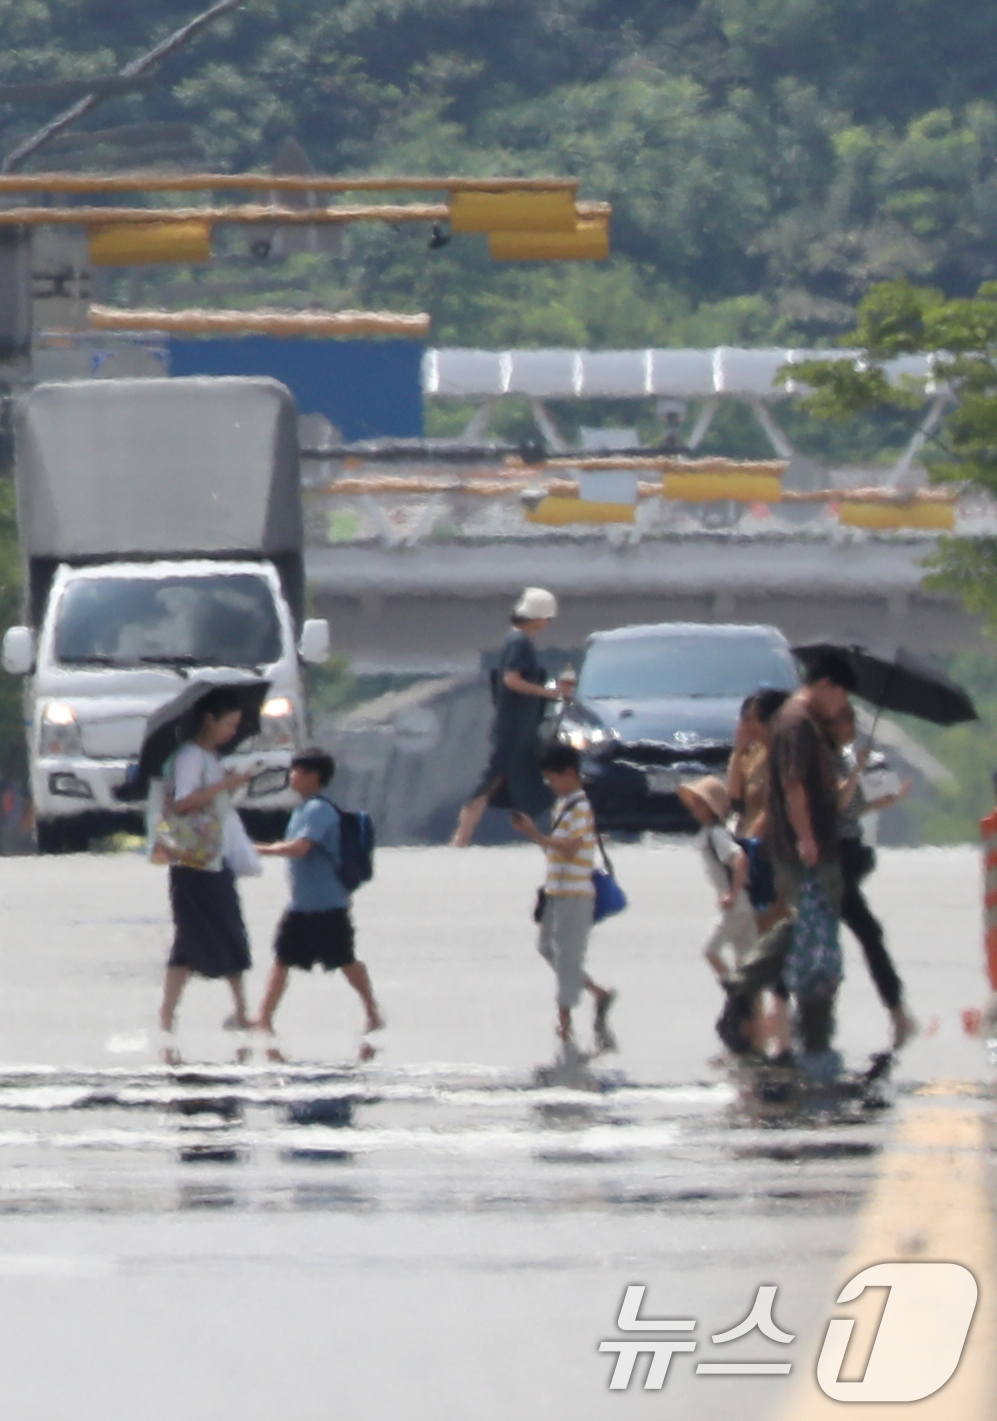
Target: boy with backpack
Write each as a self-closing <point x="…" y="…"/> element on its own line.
<point x="329" y="855"/>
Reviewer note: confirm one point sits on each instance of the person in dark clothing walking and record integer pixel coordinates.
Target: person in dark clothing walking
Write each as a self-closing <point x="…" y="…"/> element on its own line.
<point x="857" y="862"/>
<point x="802" y="952"/>
<point x="512" y="778"/>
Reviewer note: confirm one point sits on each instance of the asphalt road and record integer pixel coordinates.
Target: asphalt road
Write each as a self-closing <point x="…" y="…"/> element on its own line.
<point x="449" y="1232"/>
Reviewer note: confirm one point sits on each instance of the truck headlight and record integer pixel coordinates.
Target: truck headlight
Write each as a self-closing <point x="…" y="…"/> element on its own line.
<point x="60" y="732"/>
<point x="278" y="725"/>
<point x="69" y="784"/>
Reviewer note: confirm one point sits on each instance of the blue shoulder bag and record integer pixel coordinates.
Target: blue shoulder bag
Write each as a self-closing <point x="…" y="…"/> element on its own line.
<point x="609" y="896"/>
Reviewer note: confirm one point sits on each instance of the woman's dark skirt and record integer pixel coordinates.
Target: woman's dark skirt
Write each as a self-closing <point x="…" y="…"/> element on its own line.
<point x="512" y="780"/>
<point x="210" y="936"/>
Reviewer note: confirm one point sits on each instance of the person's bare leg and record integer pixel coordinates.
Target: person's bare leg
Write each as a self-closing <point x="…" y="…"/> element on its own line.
<point x="717" y="963"/>
<point x="778" y="1035"/>
<point x="263" y="1021"/>
<point x="176" y="979"/>
<point x="904" y="1025"/>
<point x="275" y="988"/>
<point x="359" y="979"/>
<point x="760" y="1026"/>
<point x="564" y="1024"/>
<point x="240" y="1021"/>
<point x="468" y="820"/>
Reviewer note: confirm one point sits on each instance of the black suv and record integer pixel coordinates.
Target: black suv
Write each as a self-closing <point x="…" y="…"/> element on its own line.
<point x="657" y="705"/>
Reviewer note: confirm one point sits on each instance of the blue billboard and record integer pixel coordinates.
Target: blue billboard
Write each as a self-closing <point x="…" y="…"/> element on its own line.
<point x="366" y="388"/>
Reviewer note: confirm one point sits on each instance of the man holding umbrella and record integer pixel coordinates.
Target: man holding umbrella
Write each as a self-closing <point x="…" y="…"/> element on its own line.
<point x="803" y="837"/>
<point x="901" y="683"/>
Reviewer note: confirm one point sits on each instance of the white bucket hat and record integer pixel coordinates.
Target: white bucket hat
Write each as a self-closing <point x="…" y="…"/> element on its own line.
<point x="536" y="604"/>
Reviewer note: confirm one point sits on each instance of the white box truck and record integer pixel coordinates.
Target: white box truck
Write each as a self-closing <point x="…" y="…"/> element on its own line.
<point x="160" y="523"/>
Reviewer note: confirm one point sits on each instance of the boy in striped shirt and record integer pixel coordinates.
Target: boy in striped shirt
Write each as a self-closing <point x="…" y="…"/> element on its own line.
<point x="568" y="893"/>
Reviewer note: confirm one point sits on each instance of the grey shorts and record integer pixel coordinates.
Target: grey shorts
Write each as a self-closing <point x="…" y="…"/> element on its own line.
<point x="564" y="936"/>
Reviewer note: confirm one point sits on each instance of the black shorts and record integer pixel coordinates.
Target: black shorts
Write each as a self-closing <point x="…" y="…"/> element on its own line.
<point x="306" y="938"/>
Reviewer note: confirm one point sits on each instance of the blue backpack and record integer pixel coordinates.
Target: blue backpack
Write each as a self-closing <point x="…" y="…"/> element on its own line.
<point x="356" y="848"/>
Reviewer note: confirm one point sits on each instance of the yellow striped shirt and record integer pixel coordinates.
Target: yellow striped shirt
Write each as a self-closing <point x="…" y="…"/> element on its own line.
<point x="572" y="877"/>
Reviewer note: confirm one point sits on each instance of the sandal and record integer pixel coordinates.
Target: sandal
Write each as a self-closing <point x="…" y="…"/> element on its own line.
<point x="604" y="1037"/>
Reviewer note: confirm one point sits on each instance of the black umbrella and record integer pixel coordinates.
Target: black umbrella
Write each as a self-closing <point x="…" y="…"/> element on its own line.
<point x="173" y="723"/>
<point x="901" y="683"/>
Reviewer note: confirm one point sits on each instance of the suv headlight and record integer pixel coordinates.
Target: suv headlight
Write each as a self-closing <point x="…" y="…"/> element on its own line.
<point x="60" y="732"/>
<point x="278" y="725"/>
<point x="585" y="737"/>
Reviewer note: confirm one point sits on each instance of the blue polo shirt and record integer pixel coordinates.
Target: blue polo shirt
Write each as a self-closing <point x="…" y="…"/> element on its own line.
<point x="315" y="884"/>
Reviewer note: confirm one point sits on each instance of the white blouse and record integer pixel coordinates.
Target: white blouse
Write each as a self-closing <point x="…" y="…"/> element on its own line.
<point x="195" y="768"/>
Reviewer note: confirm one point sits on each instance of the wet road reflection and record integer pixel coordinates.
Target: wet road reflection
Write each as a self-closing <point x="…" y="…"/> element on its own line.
<point x="437" y="1138"/>
<point x="419" y="1238"/>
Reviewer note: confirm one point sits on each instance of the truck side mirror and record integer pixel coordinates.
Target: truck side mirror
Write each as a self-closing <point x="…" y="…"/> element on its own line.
<point x="314" y="645"/>
<point x="18" y="654"/>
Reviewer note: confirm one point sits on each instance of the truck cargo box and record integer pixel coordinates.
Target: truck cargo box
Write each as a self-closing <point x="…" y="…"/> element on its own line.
<point x="123" y="469"/>
<point x="158" y="467"/>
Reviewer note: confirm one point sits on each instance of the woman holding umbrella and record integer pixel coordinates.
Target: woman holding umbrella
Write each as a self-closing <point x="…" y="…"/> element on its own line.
<point x="200" y="835"/>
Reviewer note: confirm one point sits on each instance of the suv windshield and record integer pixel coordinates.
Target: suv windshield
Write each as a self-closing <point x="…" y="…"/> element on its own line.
<point x="660" y="667"/>
<point x="190" y="621"/>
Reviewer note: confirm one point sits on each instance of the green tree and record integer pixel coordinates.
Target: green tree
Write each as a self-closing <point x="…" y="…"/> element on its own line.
<point x="960" y="336"/>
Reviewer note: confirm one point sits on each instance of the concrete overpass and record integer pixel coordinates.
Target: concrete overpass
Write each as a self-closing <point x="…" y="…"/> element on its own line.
<point x="425" y="584"/>
<point x="435" y="606"/>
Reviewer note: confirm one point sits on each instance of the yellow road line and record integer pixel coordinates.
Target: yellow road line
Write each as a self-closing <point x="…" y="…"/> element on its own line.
<point x="973" y="1090"/>
<point x="929" y="1204"/>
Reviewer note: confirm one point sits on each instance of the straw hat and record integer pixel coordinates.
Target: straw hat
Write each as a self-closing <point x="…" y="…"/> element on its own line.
<point x="709" y="791"/>
<point x="536" y="605"/>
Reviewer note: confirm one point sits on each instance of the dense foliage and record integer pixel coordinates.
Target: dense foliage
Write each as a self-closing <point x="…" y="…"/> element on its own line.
<point x="766" y="159"/>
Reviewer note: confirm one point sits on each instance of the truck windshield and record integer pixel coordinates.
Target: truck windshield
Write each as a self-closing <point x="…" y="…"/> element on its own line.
<point x="715" y="667"/>
<point x="219" y="620"/>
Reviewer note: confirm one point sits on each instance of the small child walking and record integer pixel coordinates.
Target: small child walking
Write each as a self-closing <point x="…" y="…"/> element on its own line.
<point x="726" y="866"/>
<point x="569" y="897"/>
<point x="742" y="1026"/>
<point x="316" y="926"/>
